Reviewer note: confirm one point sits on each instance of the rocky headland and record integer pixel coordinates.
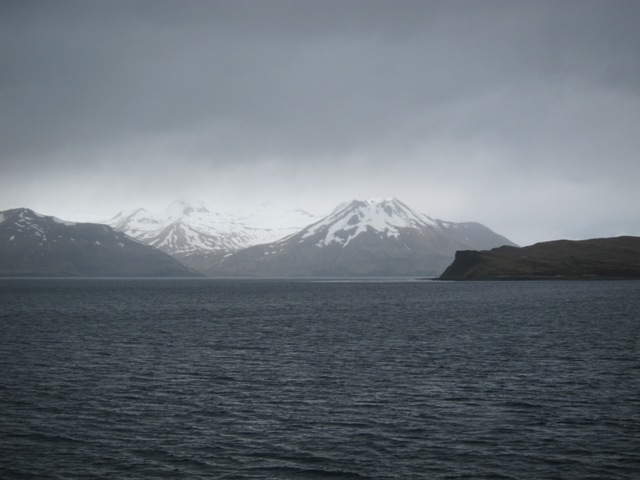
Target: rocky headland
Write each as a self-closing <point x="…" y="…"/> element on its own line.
<point x="600" y="258"/>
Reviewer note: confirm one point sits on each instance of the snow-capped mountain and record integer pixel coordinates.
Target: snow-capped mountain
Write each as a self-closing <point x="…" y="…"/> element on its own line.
<point x="191" y="228"/>
<point x="372" y="237"/>
<point x="387" y="218"/>
<point x="34" y="244"/>
<point x="359" y="238"/>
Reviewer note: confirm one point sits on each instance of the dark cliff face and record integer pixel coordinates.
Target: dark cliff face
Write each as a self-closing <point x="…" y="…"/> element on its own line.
<point x="38" y="245"/>
<point x="465" y="261"/>
<point x="617" y="257"/>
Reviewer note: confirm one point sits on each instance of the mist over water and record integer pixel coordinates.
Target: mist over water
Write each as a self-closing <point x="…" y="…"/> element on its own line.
<point x="381" y="379"/>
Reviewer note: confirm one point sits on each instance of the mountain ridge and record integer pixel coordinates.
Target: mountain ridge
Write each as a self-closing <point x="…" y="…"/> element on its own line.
<point x="32" y="244"/>
<point x="374" y="237"/>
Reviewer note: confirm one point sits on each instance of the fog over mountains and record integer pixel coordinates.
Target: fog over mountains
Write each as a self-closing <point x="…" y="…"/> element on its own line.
<point x="190" y="227"/>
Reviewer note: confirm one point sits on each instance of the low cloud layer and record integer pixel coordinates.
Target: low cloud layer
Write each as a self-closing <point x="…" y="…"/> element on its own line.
<point x="522" y="115"/>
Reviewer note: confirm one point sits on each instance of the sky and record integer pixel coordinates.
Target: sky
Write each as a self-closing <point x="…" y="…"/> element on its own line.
<point x="521" y="115"/>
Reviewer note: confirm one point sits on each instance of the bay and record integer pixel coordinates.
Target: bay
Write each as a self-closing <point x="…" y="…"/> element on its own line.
<point x="378" y="378"/>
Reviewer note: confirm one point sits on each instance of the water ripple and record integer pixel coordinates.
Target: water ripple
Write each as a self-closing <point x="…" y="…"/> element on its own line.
<point x="247" y="380"/>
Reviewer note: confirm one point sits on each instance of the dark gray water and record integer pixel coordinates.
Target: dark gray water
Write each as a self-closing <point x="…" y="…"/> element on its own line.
<point x="189" y="379"/>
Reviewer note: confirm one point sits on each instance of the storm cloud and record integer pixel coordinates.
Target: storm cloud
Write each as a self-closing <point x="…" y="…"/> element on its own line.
<point x="522" y="115"/>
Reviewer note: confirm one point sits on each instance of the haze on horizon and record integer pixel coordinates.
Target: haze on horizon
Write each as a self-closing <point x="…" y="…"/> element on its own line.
<point x="524" y="116"/>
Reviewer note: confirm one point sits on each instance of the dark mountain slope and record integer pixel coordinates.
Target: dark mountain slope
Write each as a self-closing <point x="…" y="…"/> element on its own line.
<point x="617" y="257"/>
<point x="36" y="245"/>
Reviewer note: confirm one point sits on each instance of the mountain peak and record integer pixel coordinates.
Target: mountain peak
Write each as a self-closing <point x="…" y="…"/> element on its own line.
<point x="385" y="217"/>
<point x="377" y="201"/>
<point x="369" y="201"/>
<point x="29" y="218"/>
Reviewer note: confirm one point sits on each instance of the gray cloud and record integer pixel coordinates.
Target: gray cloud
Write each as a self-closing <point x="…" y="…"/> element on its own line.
<point x="434" y="102"/>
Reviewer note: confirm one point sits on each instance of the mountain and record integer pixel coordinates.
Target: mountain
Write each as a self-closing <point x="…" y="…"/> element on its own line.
<point x="617" y="257"/>
<point x="37" y="245"/>
<point x="191" y="232"/>
<point x="360" y="238"/>
<point x="184" y="228"/>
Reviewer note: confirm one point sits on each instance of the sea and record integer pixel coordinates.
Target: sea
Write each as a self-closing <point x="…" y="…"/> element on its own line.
<point x="319" y="379"/>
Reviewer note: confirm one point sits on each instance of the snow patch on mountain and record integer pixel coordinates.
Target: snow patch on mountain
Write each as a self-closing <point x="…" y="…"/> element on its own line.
<point x="26" y="221"/>
<point x="387" y="218"/>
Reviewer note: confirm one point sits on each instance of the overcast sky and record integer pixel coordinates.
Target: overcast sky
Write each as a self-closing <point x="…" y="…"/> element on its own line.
<point x="522" y="115"/>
